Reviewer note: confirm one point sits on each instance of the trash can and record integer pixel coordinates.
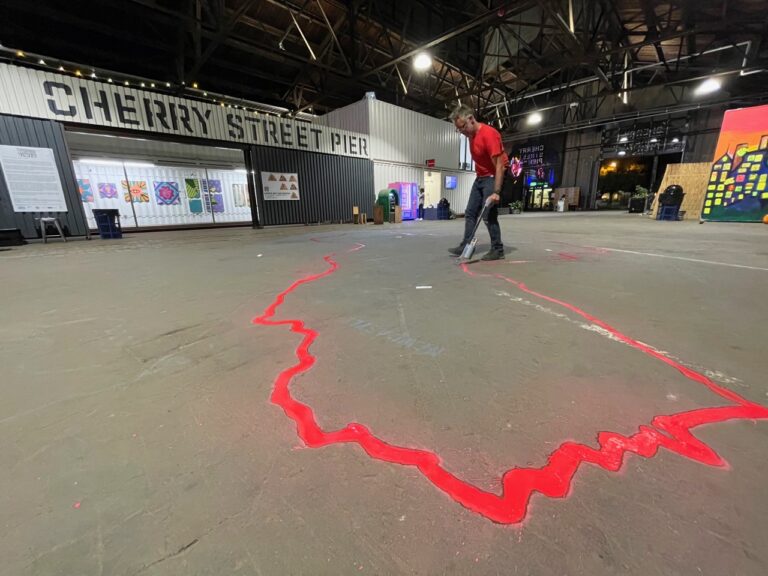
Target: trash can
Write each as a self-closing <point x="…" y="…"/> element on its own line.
<point x="383" y="200"/>
<point x="108" y="222"/>
<point x="381" y="208"/>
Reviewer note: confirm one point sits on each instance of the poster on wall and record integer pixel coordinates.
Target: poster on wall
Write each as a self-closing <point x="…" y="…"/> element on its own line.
<point x="240" y="194"/>
<point x="32" y="179"/>
<point x="192" y="187"/>
<point x="135" y="191"/>
<point x="86" y="192"/>
<point x="280" y="186"/>
<point x="738" y="182"/>
<point x="212" y="194"/>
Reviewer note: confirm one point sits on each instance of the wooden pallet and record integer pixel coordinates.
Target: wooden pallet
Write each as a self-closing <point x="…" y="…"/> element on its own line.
<point x="694" y="178"/>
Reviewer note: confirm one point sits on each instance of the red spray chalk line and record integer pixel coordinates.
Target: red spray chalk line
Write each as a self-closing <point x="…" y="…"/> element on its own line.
<point x="553" y="479"/>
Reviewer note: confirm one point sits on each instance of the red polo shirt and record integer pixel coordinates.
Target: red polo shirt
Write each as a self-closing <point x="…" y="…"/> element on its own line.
<point x="485" y="145"/>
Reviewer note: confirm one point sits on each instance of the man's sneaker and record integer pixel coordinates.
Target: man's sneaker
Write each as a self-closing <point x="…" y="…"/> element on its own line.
<point x="493" y="255"/>
<point x="456" y="251"/>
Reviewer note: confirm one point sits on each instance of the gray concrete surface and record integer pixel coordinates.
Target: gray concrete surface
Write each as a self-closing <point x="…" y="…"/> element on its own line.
<point x="137" y="435"/>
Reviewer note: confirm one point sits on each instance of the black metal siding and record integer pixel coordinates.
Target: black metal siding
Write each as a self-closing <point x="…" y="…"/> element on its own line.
<point x="16" y="131"/>
<point x="328" y="186"/>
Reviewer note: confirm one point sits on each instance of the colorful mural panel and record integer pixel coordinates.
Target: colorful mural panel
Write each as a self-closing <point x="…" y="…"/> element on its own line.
<point x="737" y="189"/>
<point x="107" y="190"/>
<point x="167" y="193"/>
<point x="136" y="191"/>
<point x="86" y="192"/>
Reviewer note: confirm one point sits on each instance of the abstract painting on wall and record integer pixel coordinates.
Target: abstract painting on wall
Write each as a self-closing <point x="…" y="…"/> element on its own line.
<point x="167" y="193"/>
<point x="107" y="190"/>
<point x="136" y="192"/>
<point x="86" y="192"/>
<point x="738" y="183"/>
<point x="192" y="188"/>
<point x="240" y="193"/>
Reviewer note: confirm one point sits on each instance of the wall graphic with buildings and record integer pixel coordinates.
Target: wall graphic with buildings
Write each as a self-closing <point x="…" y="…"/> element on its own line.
<point x="738" y="184"/>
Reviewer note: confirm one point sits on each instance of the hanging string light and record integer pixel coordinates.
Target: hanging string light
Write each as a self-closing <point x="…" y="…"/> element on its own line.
<point x="241" y="105"/>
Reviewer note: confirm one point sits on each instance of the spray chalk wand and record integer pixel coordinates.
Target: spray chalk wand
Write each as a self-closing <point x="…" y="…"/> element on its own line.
<point x="469" y="249"/>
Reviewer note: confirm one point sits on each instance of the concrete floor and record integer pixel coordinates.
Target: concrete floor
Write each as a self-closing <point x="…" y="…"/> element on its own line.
<point x="138" y="436"/>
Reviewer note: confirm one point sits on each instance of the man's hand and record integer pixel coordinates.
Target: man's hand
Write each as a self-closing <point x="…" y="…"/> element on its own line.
<point x="494" y="198"/>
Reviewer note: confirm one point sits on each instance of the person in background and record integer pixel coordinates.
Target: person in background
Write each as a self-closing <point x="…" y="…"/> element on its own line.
<point x="490" y="163"/>
<point x="420" y="214"/>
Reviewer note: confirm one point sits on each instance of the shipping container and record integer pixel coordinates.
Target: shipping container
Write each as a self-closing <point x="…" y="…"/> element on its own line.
<point x="328" y="186"/>
<point x="400" y="135"/>
<point x="34" y="133"/>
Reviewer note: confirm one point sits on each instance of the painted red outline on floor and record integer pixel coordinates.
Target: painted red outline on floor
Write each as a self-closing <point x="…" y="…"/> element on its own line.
<point x="553" y="480"/>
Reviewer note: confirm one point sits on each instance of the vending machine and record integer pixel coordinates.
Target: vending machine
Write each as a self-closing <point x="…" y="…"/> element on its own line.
<point x="409" y="198"/>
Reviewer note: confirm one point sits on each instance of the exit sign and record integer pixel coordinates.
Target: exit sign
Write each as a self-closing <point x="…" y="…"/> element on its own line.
<point x="431" y="163"/>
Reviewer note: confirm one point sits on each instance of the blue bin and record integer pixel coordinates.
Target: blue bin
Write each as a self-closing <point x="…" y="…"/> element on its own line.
<point x="108" y="222"/>
<point x="668" y="213"/>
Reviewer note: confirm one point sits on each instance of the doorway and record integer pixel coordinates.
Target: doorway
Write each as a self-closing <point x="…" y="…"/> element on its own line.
<point x="432" y="188"/>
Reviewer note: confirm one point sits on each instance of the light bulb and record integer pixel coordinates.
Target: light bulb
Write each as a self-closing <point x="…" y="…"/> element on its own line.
<point x="422" y="61"/>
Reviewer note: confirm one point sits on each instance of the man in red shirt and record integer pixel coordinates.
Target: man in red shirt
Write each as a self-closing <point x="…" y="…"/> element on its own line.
<point x="490" y="163"/>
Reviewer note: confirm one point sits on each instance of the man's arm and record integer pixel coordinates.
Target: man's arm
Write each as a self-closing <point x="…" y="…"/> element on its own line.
<point x="499" y="179"/>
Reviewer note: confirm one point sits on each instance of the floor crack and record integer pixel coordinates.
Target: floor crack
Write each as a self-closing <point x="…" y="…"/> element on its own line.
<point x="178" y="552"/>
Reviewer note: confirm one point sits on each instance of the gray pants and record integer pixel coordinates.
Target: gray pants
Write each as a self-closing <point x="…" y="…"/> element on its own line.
<point x="481" y="190"/>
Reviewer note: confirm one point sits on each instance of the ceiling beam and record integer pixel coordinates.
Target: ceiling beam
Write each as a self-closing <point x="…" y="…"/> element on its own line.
<point x="226" y="25"/>
<point x="458" y="31"/>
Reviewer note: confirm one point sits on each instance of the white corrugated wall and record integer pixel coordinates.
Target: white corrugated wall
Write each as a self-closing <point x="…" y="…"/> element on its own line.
<point x="386" y="173"/>
<point x="353" y="117"/>
<point x="401" y="135"/>
<point x="459" y="197"/>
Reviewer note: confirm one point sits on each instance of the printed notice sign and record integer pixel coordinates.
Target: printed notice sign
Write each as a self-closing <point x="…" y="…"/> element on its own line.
<point x="280" y="186"/>
<point x="32" y="179"/>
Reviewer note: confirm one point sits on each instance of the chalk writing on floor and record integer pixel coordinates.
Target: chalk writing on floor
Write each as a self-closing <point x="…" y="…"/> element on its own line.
<point x="398" y="338"/>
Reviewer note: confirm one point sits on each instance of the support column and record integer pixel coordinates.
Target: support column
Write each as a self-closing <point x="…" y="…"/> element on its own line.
<point x="256" y="207"/>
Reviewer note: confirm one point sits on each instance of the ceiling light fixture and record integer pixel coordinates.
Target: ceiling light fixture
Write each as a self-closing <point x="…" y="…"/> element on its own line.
<point x="422" y="62"/>
<point x="100" y="162"/>
<point x="622" y="152"/>
<point x="708" y="86"/>
<point x="535" y="118"/>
